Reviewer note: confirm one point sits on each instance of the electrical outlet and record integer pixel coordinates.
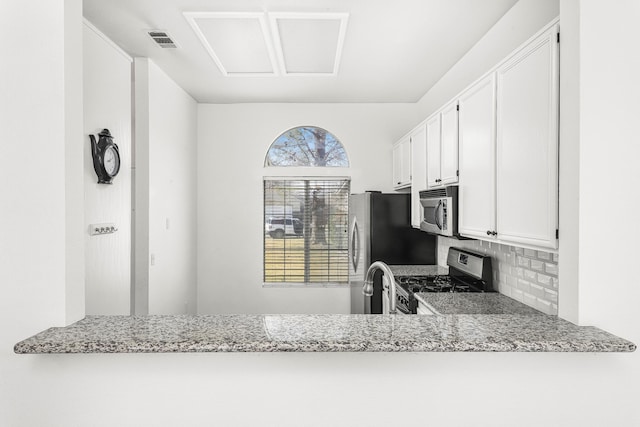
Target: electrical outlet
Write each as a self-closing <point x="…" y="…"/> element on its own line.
<point x="104" y="228"/>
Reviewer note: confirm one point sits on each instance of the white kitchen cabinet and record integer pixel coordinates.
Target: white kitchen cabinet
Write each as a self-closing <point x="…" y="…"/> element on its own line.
<point x="433" y="150"/>
<point x="508" y="140"/>
<point x="418" y="170"/>
<point x="476" y="195"/>
<point x="527" y="144"/>
<point x="449" y="144"/>
<point x="442" y="146"/>
<point x="402" y="163"/>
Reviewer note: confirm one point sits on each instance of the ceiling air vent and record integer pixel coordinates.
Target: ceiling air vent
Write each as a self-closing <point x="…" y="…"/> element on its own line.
<point x="162" y="39"/>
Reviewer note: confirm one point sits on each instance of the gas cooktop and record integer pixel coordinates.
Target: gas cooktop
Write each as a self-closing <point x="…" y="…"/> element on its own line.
<point x="414" y="284"/>
<point x="468" y="272"/>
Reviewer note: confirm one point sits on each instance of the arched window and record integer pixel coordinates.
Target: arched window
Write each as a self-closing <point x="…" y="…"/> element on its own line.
<point x="307" y="146"/>
<point x="306" y="217"/>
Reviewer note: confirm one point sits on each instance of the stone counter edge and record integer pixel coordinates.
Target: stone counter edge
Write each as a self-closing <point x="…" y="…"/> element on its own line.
<point x="351" y="333"/>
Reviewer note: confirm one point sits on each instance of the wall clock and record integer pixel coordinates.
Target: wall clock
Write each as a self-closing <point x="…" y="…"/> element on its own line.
<point x="106" y="157"/>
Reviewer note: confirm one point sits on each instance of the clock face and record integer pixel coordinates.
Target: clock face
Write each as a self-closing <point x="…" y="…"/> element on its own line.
<point x="111" y="161"/>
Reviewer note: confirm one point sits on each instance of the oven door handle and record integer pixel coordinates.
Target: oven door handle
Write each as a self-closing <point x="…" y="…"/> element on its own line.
<point x="437" y="215"/>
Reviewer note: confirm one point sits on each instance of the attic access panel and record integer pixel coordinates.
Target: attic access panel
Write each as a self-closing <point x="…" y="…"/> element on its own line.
<point x="271" y="44"/>
<point x="309" y="43"/>
<point x="238" y="42"/>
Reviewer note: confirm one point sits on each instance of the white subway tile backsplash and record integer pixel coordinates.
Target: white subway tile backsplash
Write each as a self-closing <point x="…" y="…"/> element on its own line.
<point x="529" y="299"/>
<point x="545" y="280"/>
<point x="530" y="275"/>
<point x="551" y="268"/>
<point x="505" y="290"/>
<point x="545" y="306"/>
<point x="550" y="295"/>
<point x="523" y="285"/>
<point x="546" y="256"/>
<point x="526" y="275"/>
<point x="537" y="290"/>
<point x="537" y="265"/>
<point x="524" y="262"/>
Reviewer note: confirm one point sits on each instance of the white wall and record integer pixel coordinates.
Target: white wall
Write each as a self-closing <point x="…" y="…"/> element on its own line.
<point x="609" y="90"/>
<point x="32" y="178"/>
<point x="107" y="104"/>
<point x="232" y="144"/>
<point x="165" y="193"/>
<point x="585" y="390"/>
<point x="75" y="141"/>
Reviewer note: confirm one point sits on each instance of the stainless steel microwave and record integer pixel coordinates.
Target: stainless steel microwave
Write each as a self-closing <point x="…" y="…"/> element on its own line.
<point x="439" y="213"/>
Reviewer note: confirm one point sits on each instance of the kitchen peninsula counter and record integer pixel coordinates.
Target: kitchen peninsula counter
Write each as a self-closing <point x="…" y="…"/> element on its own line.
<point x="322" y="333"/>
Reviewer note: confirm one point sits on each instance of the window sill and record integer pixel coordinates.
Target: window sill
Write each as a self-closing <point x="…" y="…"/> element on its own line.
<point x="305" y="285"/>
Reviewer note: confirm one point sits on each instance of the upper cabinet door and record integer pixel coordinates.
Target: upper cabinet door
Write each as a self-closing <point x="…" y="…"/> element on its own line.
<point x="449" y="144"/>
<point x="418" y="171"/>
<point x="477" y="195"/>
<point x="402" y="163"/>
<point x="527" y="144"/>
<point x="405" y="176"/>
<point x="397" y="165"/>
<point x="433" y="151"/>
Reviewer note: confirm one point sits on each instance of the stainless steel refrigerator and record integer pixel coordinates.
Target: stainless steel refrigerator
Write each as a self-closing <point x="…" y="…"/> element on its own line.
<point x="380" y="230"/>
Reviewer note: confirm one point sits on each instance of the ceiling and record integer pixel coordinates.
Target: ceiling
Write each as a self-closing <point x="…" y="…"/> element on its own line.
<point x="377" y="51"/>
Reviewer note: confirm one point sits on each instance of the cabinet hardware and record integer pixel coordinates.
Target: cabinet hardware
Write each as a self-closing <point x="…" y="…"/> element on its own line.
<point x="557" y="233"/>
<point x="558" y="38"/>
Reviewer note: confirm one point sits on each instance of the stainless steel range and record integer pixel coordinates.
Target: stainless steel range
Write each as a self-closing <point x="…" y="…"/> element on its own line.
<point x="468" y="272"/>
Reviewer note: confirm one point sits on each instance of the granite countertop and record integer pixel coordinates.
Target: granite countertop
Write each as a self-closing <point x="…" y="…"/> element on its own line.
<point x="473" y="303"/>
<point x="323" y="333"/>
<point x="418" y="270"/>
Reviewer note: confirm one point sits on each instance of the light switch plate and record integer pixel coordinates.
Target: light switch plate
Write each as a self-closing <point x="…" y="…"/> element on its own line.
<point x="103" y="228"/>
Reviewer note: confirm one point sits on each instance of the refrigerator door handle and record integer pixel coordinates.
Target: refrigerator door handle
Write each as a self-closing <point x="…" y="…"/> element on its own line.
<point x="355" y="245"/>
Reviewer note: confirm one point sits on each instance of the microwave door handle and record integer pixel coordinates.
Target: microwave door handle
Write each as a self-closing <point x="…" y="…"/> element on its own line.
<point x="437" y="215"/>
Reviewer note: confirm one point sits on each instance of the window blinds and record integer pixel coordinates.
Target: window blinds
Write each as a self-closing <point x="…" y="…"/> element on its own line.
<point x="306" y="230"/>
